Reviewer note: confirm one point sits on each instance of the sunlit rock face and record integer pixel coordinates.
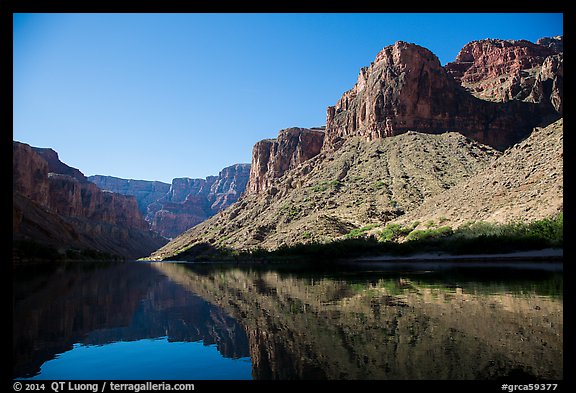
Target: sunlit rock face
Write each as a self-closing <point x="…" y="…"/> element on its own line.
<point x="406" y="89"/>
<point x="395" y="328"/>
<point x="272" y="158"/>
<point x="408" y="130"/>
<point x="504" y="70"/>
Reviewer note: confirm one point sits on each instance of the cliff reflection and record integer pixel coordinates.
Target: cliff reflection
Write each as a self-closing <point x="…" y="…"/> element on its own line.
<point x="385" y="327"/>
<point x="102" y="303"/>
<point x="301" y="325"/>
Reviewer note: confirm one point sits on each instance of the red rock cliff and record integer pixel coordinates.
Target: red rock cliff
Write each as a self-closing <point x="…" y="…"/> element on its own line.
<point x="92" y="218"/>
<point x="501" y="70"/>
<point x="271" y="158"/>
<point x="68" y="192"/>
<point x="406" y="88"/>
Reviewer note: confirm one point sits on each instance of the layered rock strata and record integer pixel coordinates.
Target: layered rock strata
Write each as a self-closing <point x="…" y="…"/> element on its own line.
<point x="191" y="201"/>
<point x="406" y="88"/>
<point x="145" y="192"/>
<point x="65" y="210"/>
<point x="271" y="158"/>
<point x="356" y="176"/>
<point x="323" y="198"/>
<point x="170" y="209"/>
<point x="501" y="70"/>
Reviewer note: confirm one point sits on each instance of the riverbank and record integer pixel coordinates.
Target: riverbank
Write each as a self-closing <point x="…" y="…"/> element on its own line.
<point x="545" y="255"/>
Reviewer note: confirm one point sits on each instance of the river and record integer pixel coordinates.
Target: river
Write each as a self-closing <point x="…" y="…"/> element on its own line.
<point x="183" y="321"/>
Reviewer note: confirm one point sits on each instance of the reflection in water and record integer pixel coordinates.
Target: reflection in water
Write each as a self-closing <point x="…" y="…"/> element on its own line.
<point x="98" y="304"/>
<point x="305" y="325"/>
<point x="377" y="325"/>
<point x="151" y="359"/>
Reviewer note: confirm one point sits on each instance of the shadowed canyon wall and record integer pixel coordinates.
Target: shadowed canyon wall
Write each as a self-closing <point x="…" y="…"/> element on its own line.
<point x="55" y="204"/>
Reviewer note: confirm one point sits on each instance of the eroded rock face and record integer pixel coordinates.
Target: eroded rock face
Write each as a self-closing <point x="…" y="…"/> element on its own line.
<point x="170" y="209"/>
<point x="228" y="186"/>
<point x="145" y="192"/>
<point x="548" y="86"/>
<point x="554" y="43"/>
<point x="271" y="158"/>
<point x="406" y="89"/>
<point x="42" y="177"/>
<point x="191" y="201"/>
<point x="362" y="183"/>
<point x="57" y="166"/>
<point x="29" y="173"/>
<point x="356" y="175"/>
<point x="504" y="70"/>
<point x="172" y="216"/>
<point x="92" y="218"/>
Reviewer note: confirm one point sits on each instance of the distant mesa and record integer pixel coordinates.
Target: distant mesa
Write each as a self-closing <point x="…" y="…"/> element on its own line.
<point x="170" y="209"/>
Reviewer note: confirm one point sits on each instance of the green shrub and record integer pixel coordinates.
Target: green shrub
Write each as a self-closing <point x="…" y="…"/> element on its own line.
<point x="358" y="232"/>
<point x="324" y="185"/>
<point x="290" y="210"/>
<point x="482" y="237"/>
<point x="379" y="184"/>
<point x="470" y="238"/>
<point x="393" y="232"/>
<point x="428" y="234"/>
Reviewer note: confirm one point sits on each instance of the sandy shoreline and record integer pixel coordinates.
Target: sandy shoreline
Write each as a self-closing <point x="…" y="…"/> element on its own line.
<point x="544" y="255"/>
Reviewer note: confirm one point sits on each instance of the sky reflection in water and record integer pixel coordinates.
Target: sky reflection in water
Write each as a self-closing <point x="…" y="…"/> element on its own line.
<point x="175" y="321"/>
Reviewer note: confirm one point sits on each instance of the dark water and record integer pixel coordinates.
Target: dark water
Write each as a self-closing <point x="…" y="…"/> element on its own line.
<point x="167" y="321"/>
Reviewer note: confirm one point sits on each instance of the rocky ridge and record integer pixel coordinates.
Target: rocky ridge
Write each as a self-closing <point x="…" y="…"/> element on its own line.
<point x="505" y="70"/>
<point x="54" y="204"/>
<point x="406" y="89"/>
<point x="363" y="183"/>
<point x="525" y="183"/>
<point x="170" y="209"/>
<point x="369" y="170"/>
<point x="145" y="192"/>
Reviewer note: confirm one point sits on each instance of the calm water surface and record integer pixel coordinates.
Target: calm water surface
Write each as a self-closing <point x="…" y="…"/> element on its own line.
<point x="167" y="321"/>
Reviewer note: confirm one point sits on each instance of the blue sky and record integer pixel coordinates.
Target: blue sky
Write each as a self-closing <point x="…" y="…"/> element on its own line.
<point x="159" y="96"/>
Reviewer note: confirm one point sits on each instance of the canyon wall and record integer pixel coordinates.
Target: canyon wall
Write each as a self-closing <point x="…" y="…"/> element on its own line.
<point x="170" y="209"/>
<point x="55" y="204"/>
<point x="271" y="158"/>
<point x="406" y="89"/>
